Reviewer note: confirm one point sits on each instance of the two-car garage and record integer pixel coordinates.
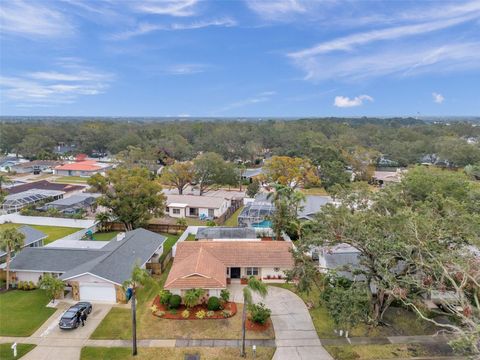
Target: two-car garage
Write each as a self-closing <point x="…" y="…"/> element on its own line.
<point x="97" y="292"/>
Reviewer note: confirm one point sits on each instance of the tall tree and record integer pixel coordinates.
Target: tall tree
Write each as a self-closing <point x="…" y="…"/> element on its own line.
<point x="11" y="241"/>
<point x="179" y="175"/>
<point x="253" y="286"/>
<point x="208" y="168"/>
<point x="291" y="171"/>
<point x="131" y="196"/>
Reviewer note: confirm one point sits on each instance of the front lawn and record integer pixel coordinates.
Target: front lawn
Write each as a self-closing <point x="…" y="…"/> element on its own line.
<point x="53" y="232"/>
<point x="6" y="353"/>
<point x="402" y="321"/>
<point x="23" y="312"/>
<point x="388" y="351"/>
<point x="118" y="353"/>
<point x="117" y="323"/>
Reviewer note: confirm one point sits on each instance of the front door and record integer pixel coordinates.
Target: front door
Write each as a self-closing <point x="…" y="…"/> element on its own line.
<point x="235" y="273"/>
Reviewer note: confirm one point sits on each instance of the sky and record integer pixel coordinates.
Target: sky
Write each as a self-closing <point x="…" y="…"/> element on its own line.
<point x="286" y="58"/>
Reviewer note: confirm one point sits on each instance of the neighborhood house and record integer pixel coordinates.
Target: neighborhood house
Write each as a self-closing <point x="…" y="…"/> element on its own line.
<point x="82" y="168"/>
<point x="33" y="238"/>
<point x="182" y="206"/>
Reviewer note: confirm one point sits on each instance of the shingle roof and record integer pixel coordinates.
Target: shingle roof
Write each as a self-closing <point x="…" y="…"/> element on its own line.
<point x="204" y="258"/>
<point x="208" y="202"/>
<point x="312" y="205"/>
<point x="31" y="236"/>
<point x="113" y="262"/>
<point x="44" y="185"/>
<point x="218" y="232"/>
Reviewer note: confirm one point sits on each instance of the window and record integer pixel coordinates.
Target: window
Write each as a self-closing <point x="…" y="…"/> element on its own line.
<point x="252" y="271"/>
<point x="276" y="269"/>
<point x="176" y="211"/>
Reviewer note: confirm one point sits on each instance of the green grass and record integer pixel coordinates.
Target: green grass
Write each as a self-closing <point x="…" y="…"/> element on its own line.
<point x="72" y="179"/>
<point x="190" y="237"/>
<point x="388" y="351"/>
<point x="23" y="312"/>
<point x="53" y="232"/>
<point x="118" y="353"/>
<point x="233" y="220"/>
<point x="168" y="244"/>
<point x="6" y="352"/>
<point x="106" y="236"/>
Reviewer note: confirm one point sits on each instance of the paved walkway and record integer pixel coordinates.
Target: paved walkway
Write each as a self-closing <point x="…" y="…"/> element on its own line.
<point x="295" y="335"/>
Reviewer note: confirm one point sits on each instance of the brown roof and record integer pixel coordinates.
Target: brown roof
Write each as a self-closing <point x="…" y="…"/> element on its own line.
<point x="203" y="263"/>
<point x="44" y="185"/>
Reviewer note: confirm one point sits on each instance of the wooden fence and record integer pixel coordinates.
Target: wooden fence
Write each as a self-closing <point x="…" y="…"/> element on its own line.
<point x="230" y="211"/>
<point x="158" y="228"/>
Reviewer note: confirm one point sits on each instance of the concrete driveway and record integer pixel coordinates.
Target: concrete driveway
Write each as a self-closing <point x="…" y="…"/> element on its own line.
<point x="54" y="343"/>
<point x="295" y="335"/>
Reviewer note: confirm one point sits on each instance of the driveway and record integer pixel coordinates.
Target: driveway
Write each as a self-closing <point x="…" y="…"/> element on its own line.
<point x="295" y="335"/>
<point x="54" y="343"/>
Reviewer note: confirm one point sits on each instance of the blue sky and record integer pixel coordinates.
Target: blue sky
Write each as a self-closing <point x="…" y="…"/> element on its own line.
<point x="240" y="58"/>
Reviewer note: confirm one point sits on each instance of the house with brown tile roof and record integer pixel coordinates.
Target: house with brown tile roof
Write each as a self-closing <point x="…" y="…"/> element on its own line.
<point x="211" y="265"/>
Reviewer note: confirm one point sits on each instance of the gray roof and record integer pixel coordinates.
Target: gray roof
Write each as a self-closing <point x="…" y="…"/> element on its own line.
<point x="75" y="199"/>
<point x="113" y="262"/>
<point x="31" y="236"/>
<point x="312" y="205"/>
<point x="225" y="233"/>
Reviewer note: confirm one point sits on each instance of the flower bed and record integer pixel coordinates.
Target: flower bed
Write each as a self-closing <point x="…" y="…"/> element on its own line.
<point x="253" y="326"/>
<point x="229" y="309"/>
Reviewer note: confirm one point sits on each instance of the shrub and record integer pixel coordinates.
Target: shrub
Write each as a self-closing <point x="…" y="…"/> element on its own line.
<point x="225" y="295"/>
<point x="20" y="285"/>
<point x="213" y="303"/>
<point x="226" y="313"/>
<point x="2" y="283"/>
<point x="210" y="313"/>
<point x="154" y="309"/>
<point x="31" y="285"/>
<point x="185" y="314"/>
<point x="173" y="311"/>
<point x="192" y="297"/>
<point x="259" y="313"/>
<point x="211" y="223"/>
<point x="175" y="301"/>
<point x="165" y="296"/>
<point x="200" y="314"/>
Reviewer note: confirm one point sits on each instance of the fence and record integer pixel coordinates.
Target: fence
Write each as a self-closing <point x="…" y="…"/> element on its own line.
<point x="44" y="220"/>
<point x="230" y="211"/>
<point x="158" y="228"/>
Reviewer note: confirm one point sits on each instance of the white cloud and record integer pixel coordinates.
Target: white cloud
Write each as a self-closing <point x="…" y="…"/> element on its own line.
<point x="345" y="101"/>
<point x="186" y="69"/>
<point x="276" y="9"/>
<point x="178" y="8"/>
<point x="438" y="98"/>
<point x="33" y="19"/>
<point x="258" y="98"/>
<point x="146" y="28"/>
<point x="54" y="87"/>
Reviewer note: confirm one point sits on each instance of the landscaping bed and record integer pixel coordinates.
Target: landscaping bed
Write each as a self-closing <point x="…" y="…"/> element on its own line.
<point x="253" y="326"/>
<point x="229" y="310"/>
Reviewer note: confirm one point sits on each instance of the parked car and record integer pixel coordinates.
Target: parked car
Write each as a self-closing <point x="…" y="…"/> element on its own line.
<point x="70" y="319"/>
<point x="84" y="305"/>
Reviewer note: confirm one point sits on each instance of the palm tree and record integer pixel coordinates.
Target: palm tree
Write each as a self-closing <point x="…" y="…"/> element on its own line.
<point x="11" y="240"/>
<point x="139" y="277"/>
<point x="103" y="218"/>
<point x="4" y="181"/>
<point x="254" y="285"/>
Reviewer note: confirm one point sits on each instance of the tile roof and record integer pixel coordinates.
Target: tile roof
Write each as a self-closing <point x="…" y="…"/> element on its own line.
<point x="80" y="166"/>
<point x="209" y="260"/>
<point x="44" y="185"/>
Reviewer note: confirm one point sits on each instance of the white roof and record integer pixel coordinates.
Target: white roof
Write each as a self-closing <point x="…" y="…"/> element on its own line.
<point x="177" y="205"/>
<point x="77" y="244"/>
<point x="204" y="201"/>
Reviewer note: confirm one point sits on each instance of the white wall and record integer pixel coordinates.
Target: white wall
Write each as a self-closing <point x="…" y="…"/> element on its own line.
<point x="87" y="278"/>
<point x="29" y="276"/>
<point x="43" y="220"/>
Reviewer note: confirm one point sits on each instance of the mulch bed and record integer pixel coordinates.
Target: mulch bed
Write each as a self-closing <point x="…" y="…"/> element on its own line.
<point x="253" y="326"/>
<point x="177" y="315"/>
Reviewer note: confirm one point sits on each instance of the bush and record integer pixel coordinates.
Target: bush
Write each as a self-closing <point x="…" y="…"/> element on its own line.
<point x="259" y="313"/>
<point x="226" y="313"/>
<point x="192" y="297"/>
<point x="185" y="314"/>
<point x="174" y="301"/>
<point x="200" y="314"/>
<point x="173" y="311"/>
<point x="213" y="303"/>
<point x="165" y="296"/>
<point x="210" y="313"/>
<point x="31" y="285"/>
<point x="225" y="295"/>
<point x="2" y="284"/>
<point x="20" y="285"/>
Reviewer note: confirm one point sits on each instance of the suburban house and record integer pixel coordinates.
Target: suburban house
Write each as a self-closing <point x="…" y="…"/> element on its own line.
<point x="33" y="238"/>
<point x="72" y="204"/>
<point x="312" y="205"/>
<point x="339" y="258"/>
<point x="211" y="265"/>
<point x="84" y="168"/>
<point x="36" y="166"/>
<point x="219" y="233"/>
<point x="91" y="274"/>
<point x="182" y="206"/>
<point x="385" y="177"/>
<point x="45" y="185"/>
<point x="15" y="202"/>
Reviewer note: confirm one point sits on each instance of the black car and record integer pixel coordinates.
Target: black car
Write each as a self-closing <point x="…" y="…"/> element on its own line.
<point x="70" y="319"/>
<point x="84" y="305"/>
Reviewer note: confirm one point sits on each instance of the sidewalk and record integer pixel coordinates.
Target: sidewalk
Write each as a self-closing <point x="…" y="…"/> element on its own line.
<point x="419" y="339"/>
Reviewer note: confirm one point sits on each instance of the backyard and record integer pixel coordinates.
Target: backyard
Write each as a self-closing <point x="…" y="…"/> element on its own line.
<point x="6" y="352"/>
<point x="93" y="353"/>
<point x="117" y="324"/>
<point x="233" y="220"/>
<point x="105" y="236"/>
<point x="72" y="180"/>
<point x="23" y="312"/>
<point x="53" y="232"/>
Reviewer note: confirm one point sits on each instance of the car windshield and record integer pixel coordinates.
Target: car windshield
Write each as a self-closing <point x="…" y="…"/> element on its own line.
<point x="69" y="314"/>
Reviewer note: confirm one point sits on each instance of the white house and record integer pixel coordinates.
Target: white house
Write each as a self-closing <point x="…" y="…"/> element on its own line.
<point x="182" y="206"/>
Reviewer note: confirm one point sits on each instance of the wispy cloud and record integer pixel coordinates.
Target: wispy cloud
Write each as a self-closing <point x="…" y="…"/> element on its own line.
<point x="186" y="69"/>
<point x="345" y="101"/>
<point x="258" y="98"/>
<point x="276" y="9"/>
<point x="438" y="98"/>
<point x="146" y="28"/>
<point x="33" y="19"/>
<point x="166" y="7"/>
<point x="54" y="87"/>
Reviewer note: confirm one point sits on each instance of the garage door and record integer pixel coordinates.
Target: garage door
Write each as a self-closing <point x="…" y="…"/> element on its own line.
<point x="97" y="292"/>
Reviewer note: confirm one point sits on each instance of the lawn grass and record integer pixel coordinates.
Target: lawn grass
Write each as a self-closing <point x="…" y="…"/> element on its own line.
<point x="53" y="232"/>
<point x="387" y="351"/>
<point x="72" y="180"/>
<point x="190" y="237"/>
<point x="168" y="244"/>
<point x="233" y="220"/>
<point x="6" y="352"/>
<point x="401" y="321"/>
<point x="117" y="323"/>
<point x="23" y="312"/>
<point x="118" y="353"/>
<point x="105" y="236"/>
